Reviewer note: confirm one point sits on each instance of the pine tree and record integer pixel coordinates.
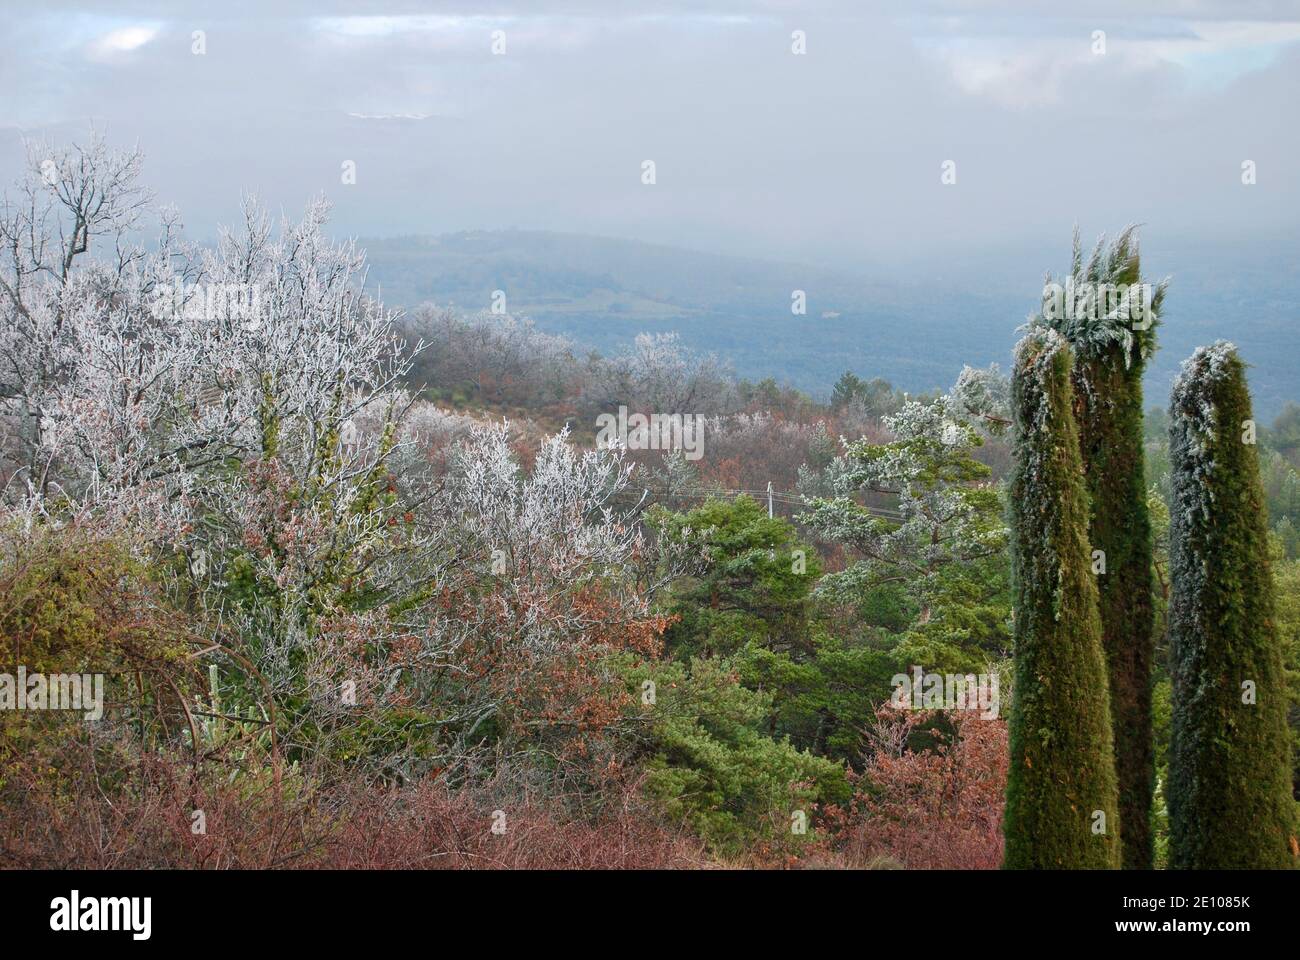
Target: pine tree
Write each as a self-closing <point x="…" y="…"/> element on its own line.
<point x="944" y="546"/>
<point x="1061" y="796"/>
<point x="1109" y="319"/>
<point x="1229" y="790"/>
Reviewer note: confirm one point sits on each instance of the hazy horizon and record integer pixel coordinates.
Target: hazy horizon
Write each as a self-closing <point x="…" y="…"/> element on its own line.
<point x="830" y="157"/>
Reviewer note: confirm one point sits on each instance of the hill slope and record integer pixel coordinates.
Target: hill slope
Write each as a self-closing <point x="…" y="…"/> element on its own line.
<point x="603" y="291"/>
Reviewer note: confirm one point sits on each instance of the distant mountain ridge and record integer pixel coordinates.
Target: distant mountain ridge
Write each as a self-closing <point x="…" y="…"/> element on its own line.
<point x="602" y="291"/>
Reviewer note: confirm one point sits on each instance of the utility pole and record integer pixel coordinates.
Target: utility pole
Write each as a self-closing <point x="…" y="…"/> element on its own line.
<point x="769" y="499"/>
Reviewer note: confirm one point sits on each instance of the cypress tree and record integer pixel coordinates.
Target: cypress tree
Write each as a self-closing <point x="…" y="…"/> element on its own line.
<point x="1109" y="319"/>
<point x="1230" y="802"/>
<point x="1061" y="807"/>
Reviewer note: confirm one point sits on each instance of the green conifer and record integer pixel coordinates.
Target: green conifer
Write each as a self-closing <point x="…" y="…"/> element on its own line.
<point x="1109" y="316"/>
<point x="1061" y="810"/>
<point x="1230" y="804"/>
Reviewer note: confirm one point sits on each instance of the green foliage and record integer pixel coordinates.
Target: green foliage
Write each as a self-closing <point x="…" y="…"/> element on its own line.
<point x="1109" y="359"/>
<point x="750" y="602"/>
<point x="823" y="704"/>
<point x="886" y="609"/>
<point x="754" y="586"/>
<point x="969" y="624"/>
<point x="74" y="601"/>
<point x="1281" y="484"/>
<point x="1110" y="438"/>
<point x="1230" y="802"/>
<point x="1284" y="435"/>
<point x="940" y="543"/>
<point x="710" y="763"/>
<point x="876" y="397"/>
<point x="1062" y="770"/>
<point x="1286" y="575"/>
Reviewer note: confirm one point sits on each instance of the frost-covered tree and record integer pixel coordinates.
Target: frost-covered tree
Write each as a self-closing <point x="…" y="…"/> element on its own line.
<point x="983" y="396"/>
<point x="235" y="410"/>
<point x="74" y="207"/>
<point x="270" y="374"/>
<point x="493" y="358"/>
<point x="1109" y="321"/>
<point x="940" y="537"/>
<point x="553" y="578"/>
<point x="821" y="453"/>
<point x="658" y="374"/>
<point x="1061" y="810"/>
<point x="1230" y="804"/>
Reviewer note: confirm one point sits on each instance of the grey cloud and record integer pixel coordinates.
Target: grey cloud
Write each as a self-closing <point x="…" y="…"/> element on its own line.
<point x="832" y="156"/>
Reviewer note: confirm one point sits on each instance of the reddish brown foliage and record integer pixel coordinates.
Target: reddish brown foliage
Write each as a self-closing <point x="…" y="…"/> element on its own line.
<point x="435" y="828"/>
<point x="932" y="809"/>
<point x="145" y="821"/>
<point x="558" y="696"/>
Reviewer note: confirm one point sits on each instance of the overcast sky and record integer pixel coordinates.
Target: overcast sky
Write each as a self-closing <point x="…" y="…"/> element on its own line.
<point x="834" y="155"/>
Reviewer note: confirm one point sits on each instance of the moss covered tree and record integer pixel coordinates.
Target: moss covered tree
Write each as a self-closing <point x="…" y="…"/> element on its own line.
<point x="1230" y="802"/>
<point x="1109" y="318"/>
<point x="1061" y="808"/>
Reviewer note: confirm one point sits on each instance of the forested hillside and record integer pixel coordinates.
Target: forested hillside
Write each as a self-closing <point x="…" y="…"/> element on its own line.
<point x="601" y="292"/>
